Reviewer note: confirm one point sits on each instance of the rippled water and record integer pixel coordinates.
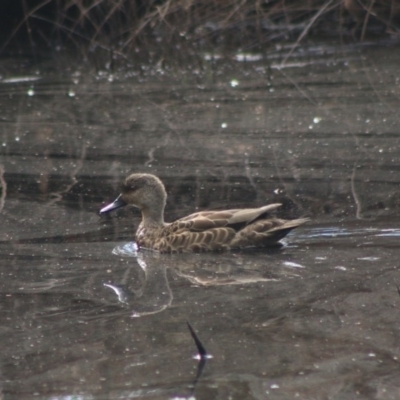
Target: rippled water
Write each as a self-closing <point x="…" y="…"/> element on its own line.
<point x="85" y="314"/>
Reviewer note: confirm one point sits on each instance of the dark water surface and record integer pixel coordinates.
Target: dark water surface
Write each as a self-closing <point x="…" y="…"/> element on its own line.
<point x="86" y="316"/>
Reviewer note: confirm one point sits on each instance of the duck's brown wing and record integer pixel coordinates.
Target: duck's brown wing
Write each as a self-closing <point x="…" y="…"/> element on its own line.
<point x="209" y="230"/>
<point x="265" y="232"/>
<point x="235" y="219"/>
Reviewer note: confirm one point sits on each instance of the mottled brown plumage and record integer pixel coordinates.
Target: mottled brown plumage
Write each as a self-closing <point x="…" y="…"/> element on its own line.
<point x="202" y="231"/>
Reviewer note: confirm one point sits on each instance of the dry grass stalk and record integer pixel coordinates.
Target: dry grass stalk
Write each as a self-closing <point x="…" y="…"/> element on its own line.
<point x="123" y="26"/>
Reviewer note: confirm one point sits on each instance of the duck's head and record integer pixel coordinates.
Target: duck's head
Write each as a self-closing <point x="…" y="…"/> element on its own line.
<point x="144" y="191"/>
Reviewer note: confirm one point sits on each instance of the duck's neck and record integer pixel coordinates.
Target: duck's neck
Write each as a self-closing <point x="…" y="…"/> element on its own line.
<point x="152" y="217"/>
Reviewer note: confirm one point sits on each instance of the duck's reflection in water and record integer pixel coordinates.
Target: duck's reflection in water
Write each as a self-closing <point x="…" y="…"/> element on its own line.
<point x="154" y="294"/>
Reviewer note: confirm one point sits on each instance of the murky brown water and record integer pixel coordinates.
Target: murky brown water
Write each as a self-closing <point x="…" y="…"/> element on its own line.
<point x="84" y="315"/>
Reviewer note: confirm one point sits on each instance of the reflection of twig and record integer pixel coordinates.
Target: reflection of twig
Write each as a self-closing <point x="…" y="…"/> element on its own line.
<point x="151" y="156"/>
<point x="281" y="179"/>
<point x="374" y="89"/>
<point x="312" y="101"/>
<point x="167" y="137"/>
<point x="354" y="192"/>
<point x="248" y="172"/>
<point x="3" y="186"/>
<point x="150" y="153"/>
<point x="74" y="181"/>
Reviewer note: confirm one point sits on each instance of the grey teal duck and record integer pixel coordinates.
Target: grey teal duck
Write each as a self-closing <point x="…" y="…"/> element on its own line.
<point x="201" y="231"/>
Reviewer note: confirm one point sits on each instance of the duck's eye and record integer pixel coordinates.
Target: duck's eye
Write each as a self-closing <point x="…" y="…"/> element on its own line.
<point x="128" y="188"/>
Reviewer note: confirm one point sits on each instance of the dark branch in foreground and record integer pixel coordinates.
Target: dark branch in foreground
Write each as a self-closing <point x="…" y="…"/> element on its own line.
<point x="202" y="351"/>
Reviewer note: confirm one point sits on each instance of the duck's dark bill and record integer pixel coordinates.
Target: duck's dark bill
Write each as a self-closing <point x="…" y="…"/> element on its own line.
<point x="118" y="203"/>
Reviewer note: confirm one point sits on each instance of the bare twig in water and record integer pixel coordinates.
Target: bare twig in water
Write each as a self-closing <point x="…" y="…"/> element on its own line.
<point x="202" y="351"/>
<point x="204" y="356"/>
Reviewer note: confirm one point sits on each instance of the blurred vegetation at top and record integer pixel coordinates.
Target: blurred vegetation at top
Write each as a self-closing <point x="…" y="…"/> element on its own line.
<point x="155" y="30"/>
